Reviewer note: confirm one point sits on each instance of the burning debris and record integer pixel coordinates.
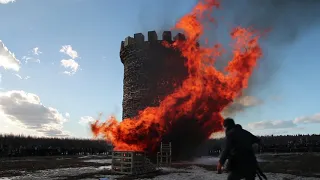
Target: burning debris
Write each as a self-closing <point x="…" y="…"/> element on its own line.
<point x="188" y="113"/>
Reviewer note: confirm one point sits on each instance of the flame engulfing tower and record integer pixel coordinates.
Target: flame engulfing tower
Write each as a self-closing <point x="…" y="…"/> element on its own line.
<point x="151" y="71"/>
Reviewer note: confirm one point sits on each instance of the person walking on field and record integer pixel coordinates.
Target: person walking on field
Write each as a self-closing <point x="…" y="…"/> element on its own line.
<point x="242" y="162"/>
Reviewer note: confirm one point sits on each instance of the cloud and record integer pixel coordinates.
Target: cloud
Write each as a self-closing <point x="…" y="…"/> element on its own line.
<point x="8" y="59"/>
<point x="18" y="76"/>
<point x="308" y="119"/>
<point x="67" y="115"/>
<point x="240" y="104"/>
<point x="33" y="56"/>
<point x="25" y="111"/>
<point x="248" y="101"/>
<point x="276" y="132"/>
<point x="70" y="64"/>
<point x="22" y="78"/>
<point x="271" y="125"/>
<point x="68" y="50"/>
<point x="30" y="59"/>
<point x="85" y="120"/>
<point x="285" y="124"/>
<point x="7" y="1"/>
<point x="36" y="51"/>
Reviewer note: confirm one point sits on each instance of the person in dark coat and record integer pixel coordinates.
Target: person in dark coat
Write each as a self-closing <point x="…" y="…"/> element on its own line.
<point x="242" y="162"/>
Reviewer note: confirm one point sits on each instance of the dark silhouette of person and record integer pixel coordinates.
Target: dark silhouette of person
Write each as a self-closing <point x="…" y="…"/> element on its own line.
<point x="242" y="162"/>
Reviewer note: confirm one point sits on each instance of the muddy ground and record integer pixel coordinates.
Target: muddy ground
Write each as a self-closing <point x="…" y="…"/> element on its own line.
<point x="20" y="166"/>
<point x="307" y="165"/>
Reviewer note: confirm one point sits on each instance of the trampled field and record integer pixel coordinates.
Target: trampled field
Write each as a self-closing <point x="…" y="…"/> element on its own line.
<point x="284" y="166"/>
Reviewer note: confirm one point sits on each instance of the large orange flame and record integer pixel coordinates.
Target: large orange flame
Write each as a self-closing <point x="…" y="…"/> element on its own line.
<point x="202" y="96"/>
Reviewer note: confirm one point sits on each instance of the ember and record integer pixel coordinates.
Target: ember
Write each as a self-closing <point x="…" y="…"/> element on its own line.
<point x="192" y="112"/>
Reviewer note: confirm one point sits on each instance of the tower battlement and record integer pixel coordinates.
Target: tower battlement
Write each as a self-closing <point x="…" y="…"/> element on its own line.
<point x="139" y="38"/>
<point x="151" y="70"/>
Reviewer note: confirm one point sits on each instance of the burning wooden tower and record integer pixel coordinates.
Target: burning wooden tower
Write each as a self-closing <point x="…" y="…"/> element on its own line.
<point x="151" y="71"/>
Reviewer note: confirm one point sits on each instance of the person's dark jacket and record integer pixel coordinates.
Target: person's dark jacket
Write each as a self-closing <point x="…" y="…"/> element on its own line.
<point x="238" y="150"/>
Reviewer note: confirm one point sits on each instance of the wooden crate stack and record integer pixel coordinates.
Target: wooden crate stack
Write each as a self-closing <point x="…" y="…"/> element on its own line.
<point x="164" y="157"/>
<point x="131" y="163"/>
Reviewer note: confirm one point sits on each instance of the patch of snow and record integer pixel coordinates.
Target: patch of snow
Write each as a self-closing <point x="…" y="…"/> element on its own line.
<point x="52" y="174"/>
<point x="105" y="167"/>
<point x="282" y="154"/>
<point x="195" y="173"/>
<point x="94" y="156"/>
<point x="208" y="160"/>
<point x="100" y="161"/>
<point x="82" y="157"/>
<point x="106" y="178"/>
<point x="192" y="172"/>
<point x="17" y="160"/>
<point x="62" y="158"/>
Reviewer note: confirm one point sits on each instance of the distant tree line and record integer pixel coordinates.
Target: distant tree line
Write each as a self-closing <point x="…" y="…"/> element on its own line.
<point x="271" y="144"/>
<point x="15" y="146"/>
<point x="21" y="146"/>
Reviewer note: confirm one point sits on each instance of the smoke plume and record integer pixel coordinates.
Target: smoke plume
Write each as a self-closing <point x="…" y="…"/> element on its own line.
<point x="283" y="20"/>
<point x="287" y="21"/>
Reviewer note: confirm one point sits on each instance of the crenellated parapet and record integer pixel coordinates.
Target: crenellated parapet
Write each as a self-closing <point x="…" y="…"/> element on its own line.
<point x="151" y="70"/>
<point x="139" y="38"/>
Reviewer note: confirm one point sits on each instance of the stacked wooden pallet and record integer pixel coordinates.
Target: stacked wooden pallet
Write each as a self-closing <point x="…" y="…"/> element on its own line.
<point x="131" y="163"/>
<point x="164" y="156"/>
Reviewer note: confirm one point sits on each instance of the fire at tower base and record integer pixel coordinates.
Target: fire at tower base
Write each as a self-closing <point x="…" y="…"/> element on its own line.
<point x="172" y="90"/>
